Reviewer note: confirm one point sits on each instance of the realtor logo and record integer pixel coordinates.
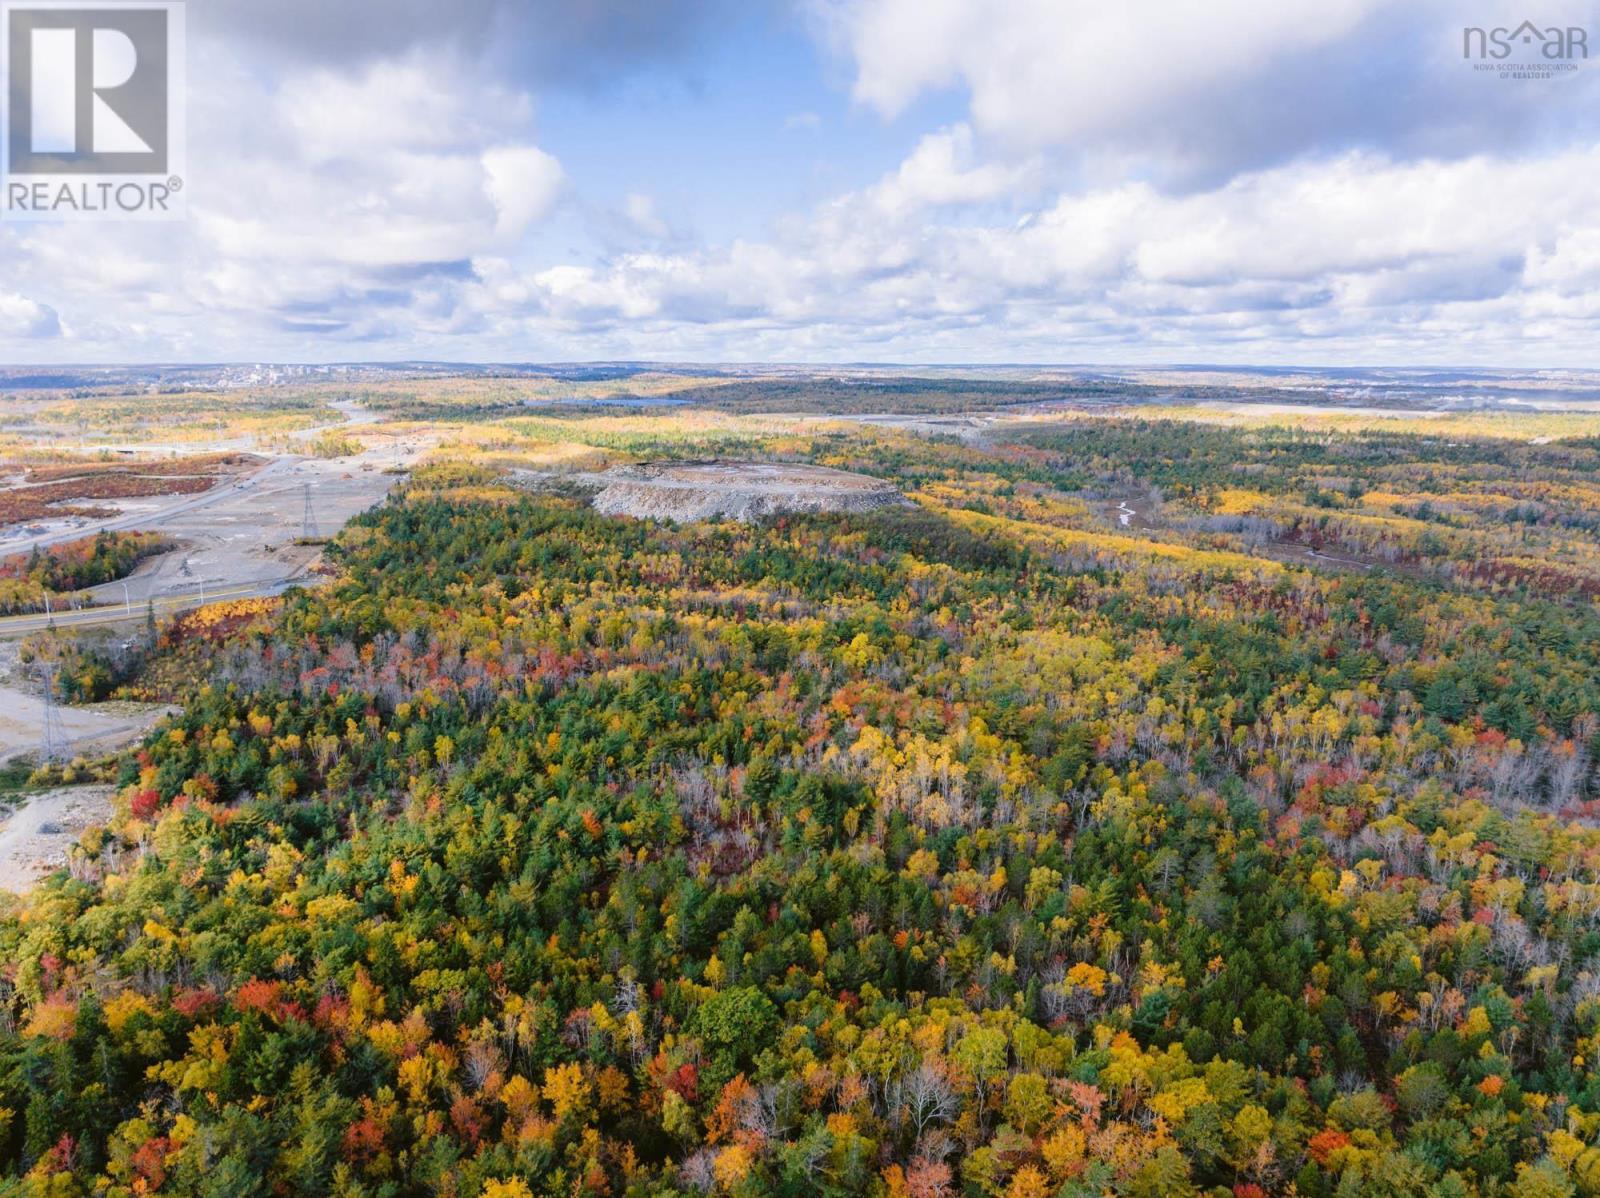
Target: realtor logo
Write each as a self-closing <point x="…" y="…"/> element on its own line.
<point x="94" y="110"/>
<point x="1525" y="51"/>
<point x="1552" y="42"/>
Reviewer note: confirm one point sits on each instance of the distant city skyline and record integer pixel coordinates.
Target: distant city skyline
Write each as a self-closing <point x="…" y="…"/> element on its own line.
<point x="914" y="182"/>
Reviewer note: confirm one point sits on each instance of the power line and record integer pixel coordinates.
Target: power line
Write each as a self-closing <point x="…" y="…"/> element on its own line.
<point x="309" y="532"/>
<point x="53" y="742"/>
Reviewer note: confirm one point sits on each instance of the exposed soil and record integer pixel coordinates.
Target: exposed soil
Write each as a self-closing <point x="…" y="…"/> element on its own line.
<point x="91" y="729"/>
<point x="36" y="838"/>
<point x="737" y="490"/>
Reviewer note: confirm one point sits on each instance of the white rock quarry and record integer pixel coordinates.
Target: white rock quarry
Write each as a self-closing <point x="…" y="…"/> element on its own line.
<point x="685" y="491"/>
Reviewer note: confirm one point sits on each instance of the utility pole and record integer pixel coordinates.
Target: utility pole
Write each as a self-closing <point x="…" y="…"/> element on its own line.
<point x="53" y="743"/>
<point x="309" y="532"/>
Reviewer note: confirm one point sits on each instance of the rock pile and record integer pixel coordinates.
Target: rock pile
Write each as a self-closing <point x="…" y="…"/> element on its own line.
<point x="685" y="491"/>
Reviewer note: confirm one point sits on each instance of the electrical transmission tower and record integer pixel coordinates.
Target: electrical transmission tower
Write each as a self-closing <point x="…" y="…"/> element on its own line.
<point x="309" y="533"/>
<point x="53" y="742"/>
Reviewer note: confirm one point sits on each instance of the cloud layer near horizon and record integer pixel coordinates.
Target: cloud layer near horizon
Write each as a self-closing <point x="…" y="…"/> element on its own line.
<point x="1241" y="181"/>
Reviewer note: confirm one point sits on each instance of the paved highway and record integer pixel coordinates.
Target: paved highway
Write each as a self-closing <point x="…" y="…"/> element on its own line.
<point x="89" y="617"/>
<point x="235" y="541"/>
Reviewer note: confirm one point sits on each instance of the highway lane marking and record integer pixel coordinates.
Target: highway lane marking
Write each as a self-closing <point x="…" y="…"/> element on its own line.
<point x="116" y="613"/>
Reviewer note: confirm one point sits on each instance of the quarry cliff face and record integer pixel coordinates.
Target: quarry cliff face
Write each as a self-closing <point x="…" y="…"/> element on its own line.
<point x="684" y="491"/>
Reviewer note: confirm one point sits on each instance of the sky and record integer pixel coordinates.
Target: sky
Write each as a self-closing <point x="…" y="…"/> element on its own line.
<point x="1311" y="182"/>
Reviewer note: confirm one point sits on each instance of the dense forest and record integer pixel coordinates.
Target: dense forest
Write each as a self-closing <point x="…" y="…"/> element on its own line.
<point x="1077" y="830"/>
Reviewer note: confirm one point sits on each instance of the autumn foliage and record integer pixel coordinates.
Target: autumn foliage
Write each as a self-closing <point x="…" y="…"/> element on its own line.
<point x="985" y="848"/>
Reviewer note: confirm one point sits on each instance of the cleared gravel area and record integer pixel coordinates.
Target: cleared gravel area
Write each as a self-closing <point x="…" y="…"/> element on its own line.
<point x="36" y="838"/>
<point x="737" y="490"/>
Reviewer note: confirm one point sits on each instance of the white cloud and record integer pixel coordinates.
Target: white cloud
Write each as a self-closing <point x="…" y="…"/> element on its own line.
<point x="1189" y="93"/>
<point x="524" y="182"/>
<point x="1311" y="251"/>
<point x="1125" y="181"/>
<point x="347" y="207"/>
<point x="21" y="317"/>
<point x="943" y="169"/>
<point x="422" y="103"/>
<point x="1045" y="71"/>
